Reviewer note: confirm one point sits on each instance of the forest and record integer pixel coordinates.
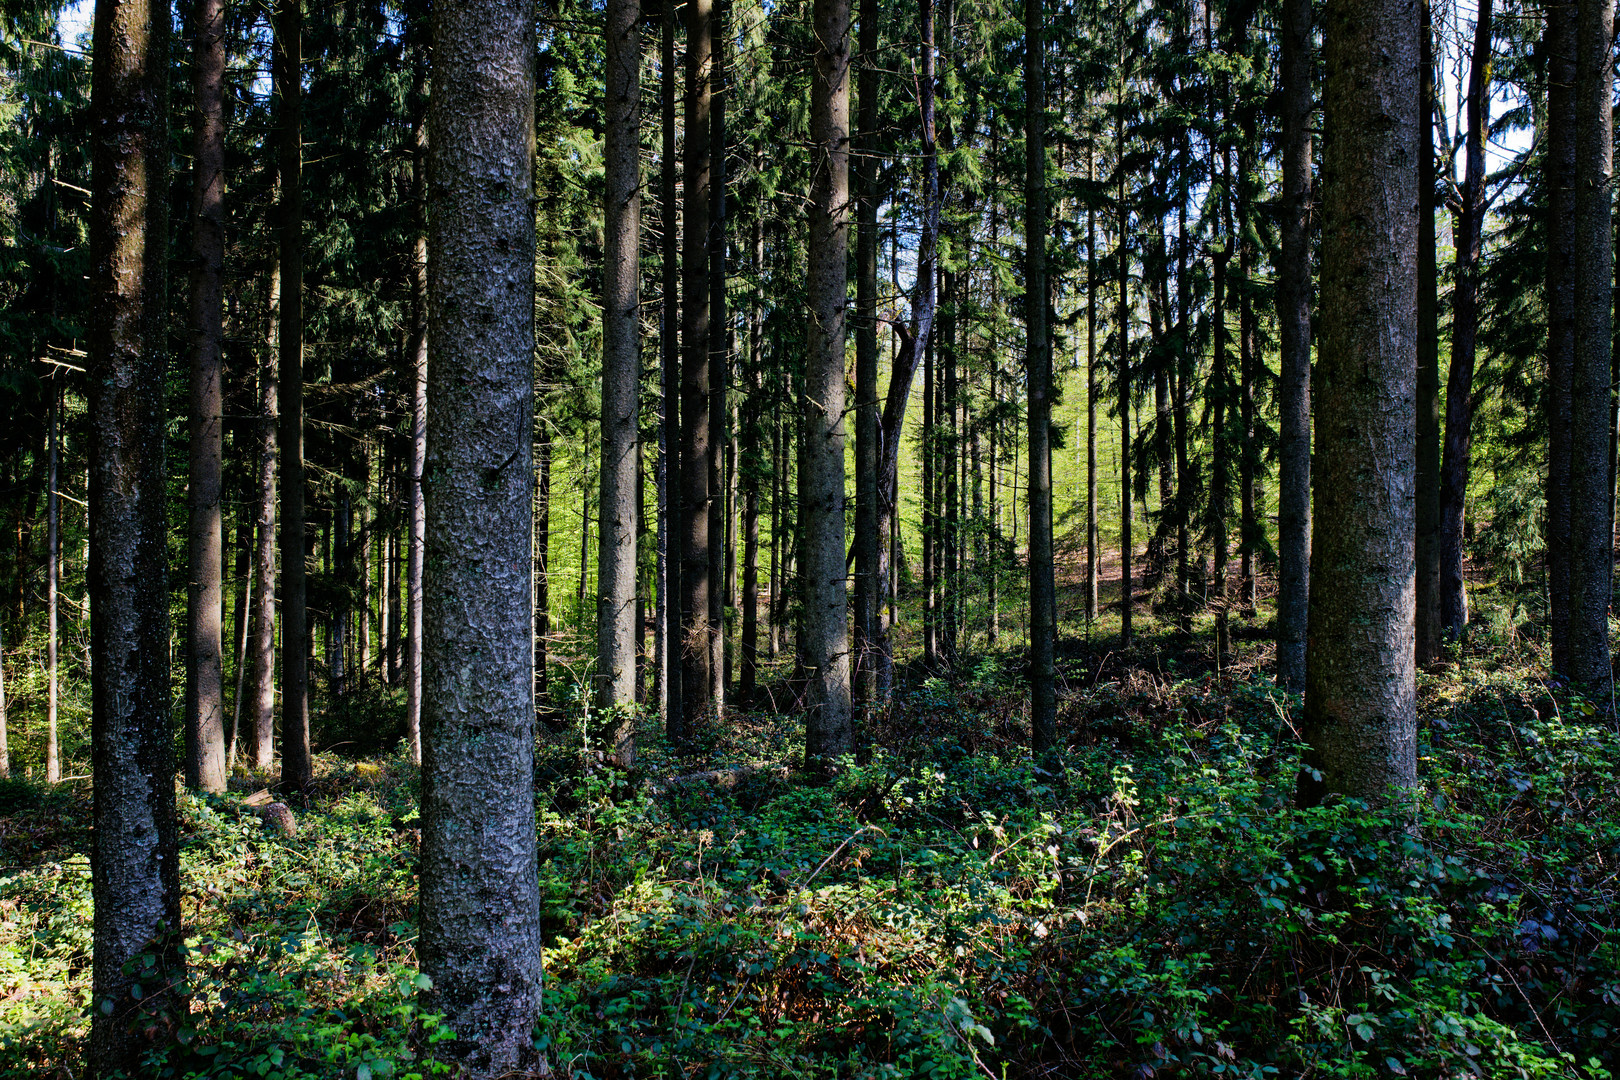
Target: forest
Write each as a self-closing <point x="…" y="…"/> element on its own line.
<point x="823" y="538"/>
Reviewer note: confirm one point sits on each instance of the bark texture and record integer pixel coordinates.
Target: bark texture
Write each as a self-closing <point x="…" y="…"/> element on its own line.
<point x="824" y="644"/>
<point x="1456" y="456"/>
<point x="696" y="445"/>
<point x="417" y="356"/>
<point x="869" y="540"/>
<point x="1591" y="535"/>
<point x="135" y="845"/>
<point x="669" y="597"/>
<point x="1294" y="332"/>
<point x="1559" y="163"/>
<point x="288" y="65"/>
<point x="480" y="907"/>
<point x="914" y="340"/>
<point x="621" y="370"/>
<point x="1428" y="360"/>
<point x="261" y="692"/>
<point x="1038" y="356"/>
<point x="205" y="698"/>
<point x="1360" y="720"/>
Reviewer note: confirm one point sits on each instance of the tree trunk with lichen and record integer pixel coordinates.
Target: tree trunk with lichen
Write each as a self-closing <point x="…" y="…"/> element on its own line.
<point x="480" y="905"/>
<point x="1360" y="721"/>
<point x="135" y="853"/>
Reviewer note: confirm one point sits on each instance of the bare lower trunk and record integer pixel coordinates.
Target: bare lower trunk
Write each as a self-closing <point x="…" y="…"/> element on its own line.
<point x="1457" y="453"/>
<point x="1591" y="531"/>
<point x="53" y="574"/>
<point x="869" y="539"/>
<point x="205" y="684"/>
<point x="480" y="906"/>
<point x="296" y="768"/>
<point x="824" y="645"/>
<point x="1360" y="720"/>
<point x="1428" y="372"/>
<point x="1559" y="163"/>
<point x="697" y="690"/>
<point x="135" y="855"/>
<point x="261" y="720"/>
<point x="1038" y="354"/>
<point x="1294" y="331"/>
<point x="621" y="373"/>
<point x="670" y="521"/>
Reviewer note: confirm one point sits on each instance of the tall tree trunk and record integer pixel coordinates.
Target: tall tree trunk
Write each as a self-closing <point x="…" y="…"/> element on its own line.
<point x="5" y="740"/>
<point x="669" y="526"/>
<point x="1038" y="354"/>
<point x="260" y="743"/>
<point x="1360" y="721"/>
<point x="868" y="539"/>
<point x="480" y="904"/>
<point x="1186" y="370"/>
<point x="242" y="600"/>
<point x="1092" y="567"/>
<point x="1248" y="459"/>
<point x="930" y="508"/>
<point x="417" y="357"/>
<point x="697" y="691"/>
<point x="751" y="451"/>
<point x="205" y="700"/>
<point x="621" y="379"/>
<point x="829" y="728"/>
<point x="1294" y="333"/>
<point x="542" y="566"/>
<point x="719" y="362"/>
<point x="296" y="768"/>
<point x="1221" y="468"/>
<point x="950" y="454"/>
<point x="914" y="342"/>
<point x="774" y="641"/>
<point x="1428" y="359"/>
<point x="135" y="854"/>
<point x="1122" y="270"/>
<point x="1559" y="45"/>
<point x="53" y="575"/>
<point x="1457" y="452"/>
<point x="1591" y="531"/>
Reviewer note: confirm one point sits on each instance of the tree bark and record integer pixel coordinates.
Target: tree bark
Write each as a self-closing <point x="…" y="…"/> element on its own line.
<point x="868" y="537"/>
<point x="1092" y="567"/>
<point x="1038" y="355"/>
<point x="697" y="690"/>
<point x="296" y="768"/>
<point x="1294" y="333"/>
<point x="829" y="728"/>
<point x="914" y="341"/>
<point x="53" y="576"/>
<point x="135" y="853"/>
<point x="719" y="361"/>
<point x="205" y="702"/>
<point x="1360" y="721"/>
<point x="1457" y="453"/>
<point x="621" y="377"/>
<point x="1559" y="44"/>
<point x="1591" y="532"/>
<point x="1122" y="270"/>
<point x="417" y="359"/>
<point x="480" y="906"/>
<point x="1428" y="360"/>
<point x="669" y="597"/>
<point x="261" y="720"/>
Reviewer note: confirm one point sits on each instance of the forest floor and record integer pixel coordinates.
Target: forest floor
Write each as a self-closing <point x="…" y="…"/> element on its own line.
<point x="1151" y="905"/>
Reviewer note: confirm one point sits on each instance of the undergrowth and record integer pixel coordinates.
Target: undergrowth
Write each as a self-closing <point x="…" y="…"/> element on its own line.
<point x="1151" y="903"/>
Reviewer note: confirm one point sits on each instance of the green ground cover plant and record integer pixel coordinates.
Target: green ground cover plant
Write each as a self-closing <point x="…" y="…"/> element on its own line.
<point x="1151" y="903"/>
